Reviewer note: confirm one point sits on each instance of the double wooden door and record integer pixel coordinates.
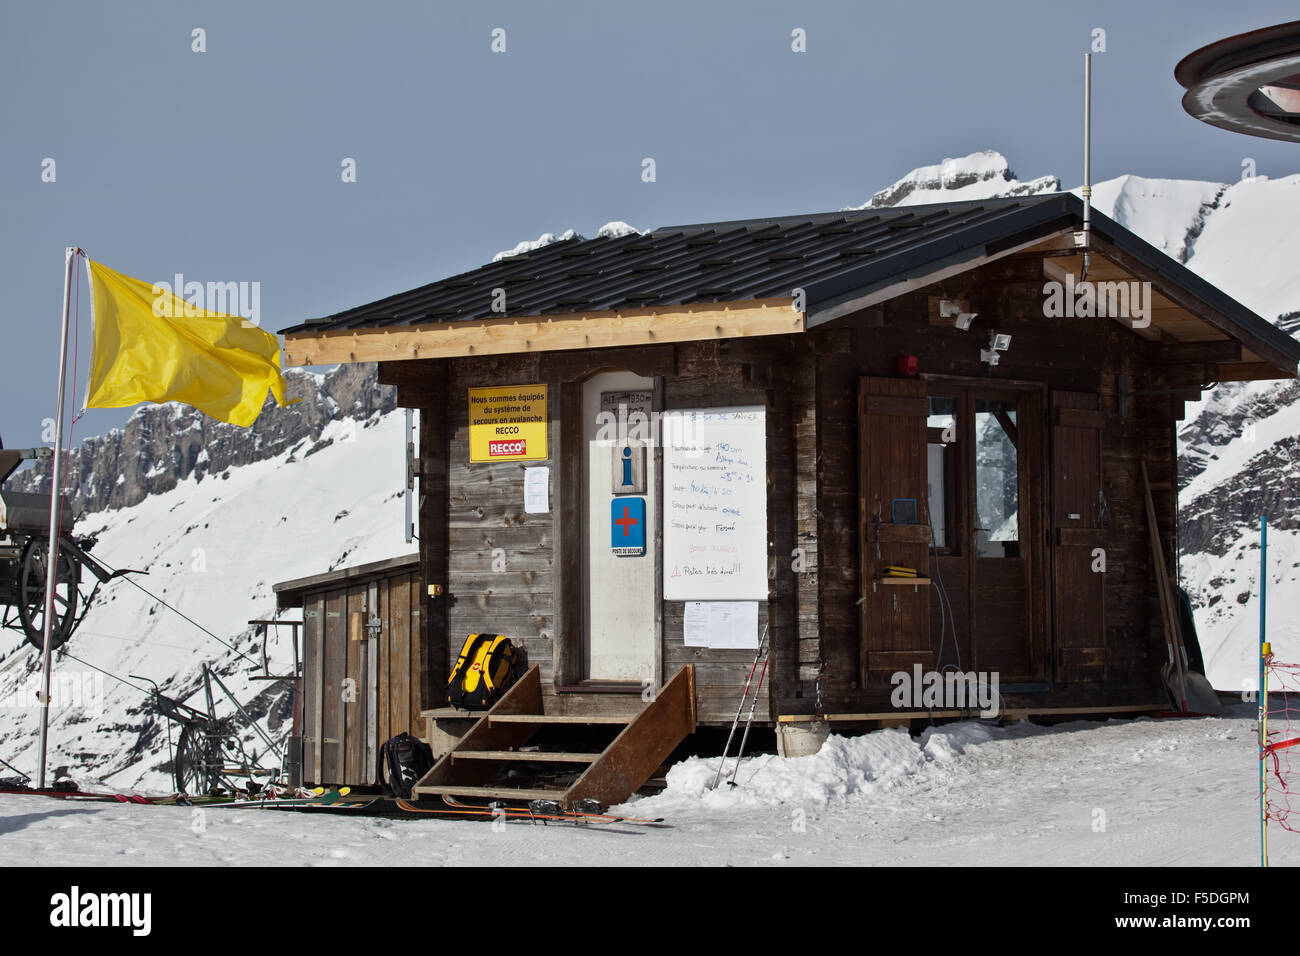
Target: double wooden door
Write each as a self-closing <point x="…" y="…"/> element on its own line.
<point x="951" y="484"/>
<point x="983" y="466"/>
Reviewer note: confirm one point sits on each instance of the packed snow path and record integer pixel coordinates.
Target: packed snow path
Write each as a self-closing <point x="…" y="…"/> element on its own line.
<point x="1118" y="793"/>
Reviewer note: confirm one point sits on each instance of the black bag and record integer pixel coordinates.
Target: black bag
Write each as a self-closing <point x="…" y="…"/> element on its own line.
<point x="406" y="760"/>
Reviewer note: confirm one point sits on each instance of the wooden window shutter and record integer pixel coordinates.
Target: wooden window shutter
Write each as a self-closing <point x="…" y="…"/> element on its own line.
<point x="894" y="620"/>
<point x="1078" y="530"/>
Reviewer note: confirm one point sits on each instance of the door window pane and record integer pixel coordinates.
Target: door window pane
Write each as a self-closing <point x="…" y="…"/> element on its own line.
<point x="997" y="480"/>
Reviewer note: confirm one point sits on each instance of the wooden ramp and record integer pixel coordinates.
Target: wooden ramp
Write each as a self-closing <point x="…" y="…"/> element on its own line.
<point x="511" y="735"/>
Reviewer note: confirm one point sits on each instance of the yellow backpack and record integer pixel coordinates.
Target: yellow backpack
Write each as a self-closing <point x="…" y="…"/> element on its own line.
<point x="483" y="672"/>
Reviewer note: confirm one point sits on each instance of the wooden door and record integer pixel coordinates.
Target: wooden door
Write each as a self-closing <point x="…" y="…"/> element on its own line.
<point x="1078" y="538"/>
<point x="894" y="619"/>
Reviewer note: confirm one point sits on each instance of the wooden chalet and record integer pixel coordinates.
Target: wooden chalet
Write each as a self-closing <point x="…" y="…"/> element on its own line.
<point x="845" y="375"/>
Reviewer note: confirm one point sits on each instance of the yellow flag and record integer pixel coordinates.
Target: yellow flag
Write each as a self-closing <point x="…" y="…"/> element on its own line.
<point x="153" y="346"/>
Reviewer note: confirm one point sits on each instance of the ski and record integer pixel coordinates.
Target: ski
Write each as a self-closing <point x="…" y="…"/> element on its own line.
<point x="518" y="816"/>
<point x="83" y="795"/>
<point x="320" y="797"/>
<point x="555" y="812"/>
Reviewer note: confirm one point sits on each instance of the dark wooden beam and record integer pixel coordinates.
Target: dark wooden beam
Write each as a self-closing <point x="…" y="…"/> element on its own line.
<point x="1181" y="297"/>
<point x="1185" y="353"/>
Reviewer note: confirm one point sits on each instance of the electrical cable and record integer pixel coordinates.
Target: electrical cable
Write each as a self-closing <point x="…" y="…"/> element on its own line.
<point x="182" y="614"/>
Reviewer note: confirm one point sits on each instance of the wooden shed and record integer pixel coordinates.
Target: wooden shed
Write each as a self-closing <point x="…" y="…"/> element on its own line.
<point x="940" y="389"/>
<point x="362" y="666"/>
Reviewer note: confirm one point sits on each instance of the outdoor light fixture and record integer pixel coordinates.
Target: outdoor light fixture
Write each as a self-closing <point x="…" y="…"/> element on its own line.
<point x="998" y="342"/>
<point x="959" y="311"/>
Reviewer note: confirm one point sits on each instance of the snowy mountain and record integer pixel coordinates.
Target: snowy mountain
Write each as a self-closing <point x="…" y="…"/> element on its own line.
<point x="983" y="175"/>
<point x="309" y="488"/>
<point x="162" y="445"/>
<point x="216" y="514"/>
<point x="1239" y="453"/>
<point x="611" y="230"/>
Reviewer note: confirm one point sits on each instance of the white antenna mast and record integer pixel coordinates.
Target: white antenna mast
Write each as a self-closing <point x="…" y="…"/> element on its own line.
<point x="1086" y="191"/>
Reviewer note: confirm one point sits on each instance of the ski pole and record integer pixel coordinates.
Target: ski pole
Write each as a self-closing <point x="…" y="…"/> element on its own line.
<point x="748" y="720"/>
<point x="739" y="709"/>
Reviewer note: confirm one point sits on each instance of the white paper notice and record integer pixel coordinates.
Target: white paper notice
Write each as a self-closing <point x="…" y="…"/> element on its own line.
<point x="537" y="483"/>
<point x="715" y="504"/>
<point x="721" y="624"/>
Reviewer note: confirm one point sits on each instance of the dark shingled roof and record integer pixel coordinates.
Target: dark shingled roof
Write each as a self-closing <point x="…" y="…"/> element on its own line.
<point x="831" y="256"/>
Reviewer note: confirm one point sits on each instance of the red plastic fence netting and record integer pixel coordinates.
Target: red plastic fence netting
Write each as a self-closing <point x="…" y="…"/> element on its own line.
<point x="1281" y="746"/>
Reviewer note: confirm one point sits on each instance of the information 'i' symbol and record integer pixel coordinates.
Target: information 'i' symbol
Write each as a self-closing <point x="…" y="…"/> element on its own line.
<point x="627" y="465"/>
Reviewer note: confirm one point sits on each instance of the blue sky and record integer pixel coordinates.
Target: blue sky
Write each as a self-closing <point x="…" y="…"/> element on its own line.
<point x="225" y="165"/>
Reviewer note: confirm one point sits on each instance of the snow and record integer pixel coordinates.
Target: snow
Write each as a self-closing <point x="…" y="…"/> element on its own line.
<point x="1228" y="629"/>
<point x="1235" y="456"/>
<point x="212" y="548"/>
<point x="1249" y="248"/>
<point x="982" y="175"/>
<point x="545" y="239"/>
<point x="1130" y="793"/>
<point x="616" y="229"/>
<point x="1161" y="211"/>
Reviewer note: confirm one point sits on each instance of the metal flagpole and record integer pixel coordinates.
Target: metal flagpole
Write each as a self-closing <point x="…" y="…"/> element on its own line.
<point x="1086" y="191"/>
<point x="56" y="500"/>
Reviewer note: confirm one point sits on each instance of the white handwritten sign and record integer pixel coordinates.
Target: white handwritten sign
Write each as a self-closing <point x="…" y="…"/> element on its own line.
<point x="715" y="504"/>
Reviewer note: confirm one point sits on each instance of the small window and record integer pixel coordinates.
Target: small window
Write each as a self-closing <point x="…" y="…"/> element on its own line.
<point x="997" y="480"/>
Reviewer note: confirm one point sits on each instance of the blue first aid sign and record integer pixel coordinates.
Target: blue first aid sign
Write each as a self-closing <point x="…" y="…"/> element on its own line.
<point x="627" y="526"/>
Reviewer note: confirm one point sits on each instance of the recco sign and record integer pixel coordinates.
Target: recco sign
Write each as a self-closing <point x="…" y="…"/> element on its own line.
<point x="508" y="423"/>
<point x="508" y="449"/>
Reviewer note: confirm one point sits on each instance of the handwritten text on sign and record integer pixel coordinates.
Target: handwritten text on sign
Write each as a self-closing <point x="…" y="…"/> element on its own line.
<point x="715" y="504"/>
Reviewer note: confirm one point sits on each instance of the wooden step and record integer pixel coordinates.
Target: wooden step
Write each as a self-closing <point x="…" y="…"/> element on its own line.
<point x="499" y="793"/>
<point x="527" y="756"/>
<point x="642" y="746"/>
<point x="643" y="741"/>
<point x="495" y="720"/>
<point x="451" y="713"/>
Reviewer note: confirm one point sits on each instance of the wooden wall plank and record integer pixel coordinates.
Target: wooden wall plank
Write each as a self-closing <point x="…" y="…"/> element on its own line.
<point x="417" y="667"/>
<point x="313" y="612"/>
<point x="354" y="693"/>
<point x="399" y="661"/>
<point x="336" y="662"/>
<point x="384" y="681"/>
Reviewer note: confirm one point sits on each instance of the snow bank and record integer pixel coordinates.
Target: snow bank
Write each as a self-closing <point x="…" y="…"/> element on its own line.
<point x="844" y="768"/>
